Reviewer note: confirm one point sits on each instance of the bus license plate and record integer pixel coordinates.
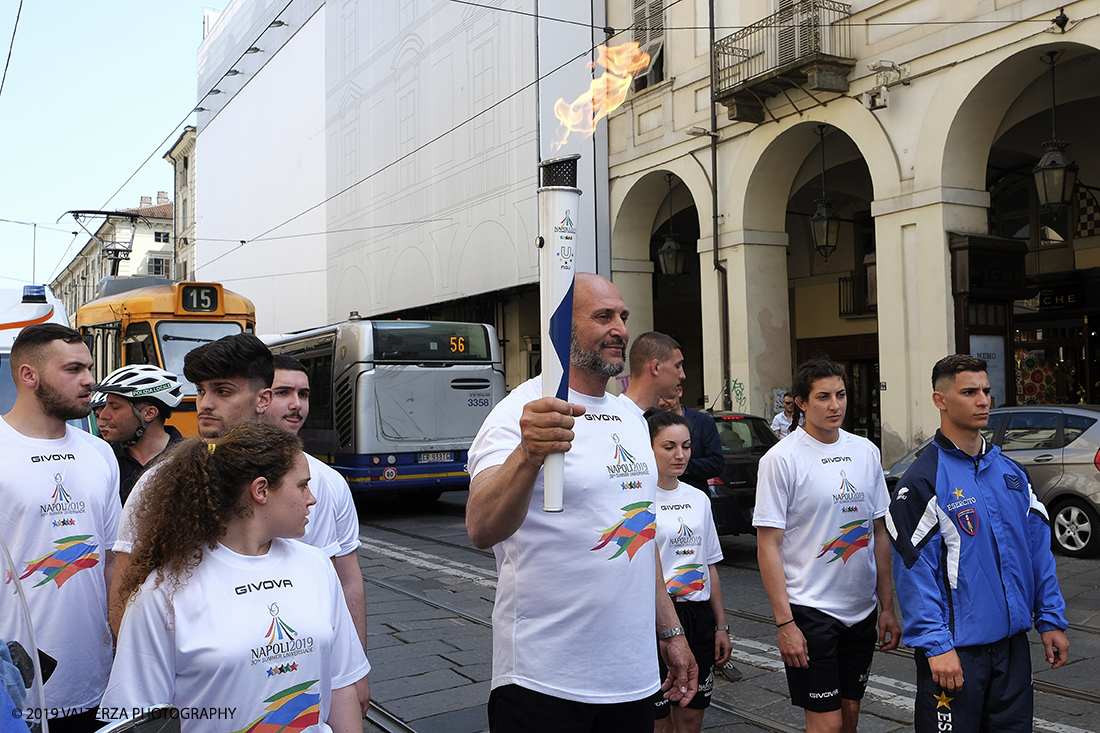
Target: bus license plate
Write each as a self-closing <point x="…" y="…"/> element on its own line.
<point x="433" y="457"/>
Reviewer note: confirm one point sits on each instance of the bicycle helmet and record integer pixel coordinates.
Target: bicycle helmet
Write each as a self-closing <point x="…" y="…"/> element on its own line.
<point x="143" y="382"/>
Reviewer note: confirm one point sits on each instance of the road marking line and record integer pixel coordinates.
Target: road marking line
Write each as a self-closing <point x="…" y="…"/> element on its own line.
<point x="766" y="656"/>
<point x="762" y="655"/>
<point x="478" y="576"/>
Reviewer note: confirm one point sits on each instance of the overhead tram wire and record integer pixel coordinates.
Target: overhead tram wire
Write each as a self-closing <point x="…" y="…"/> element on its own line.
<point x="737" y="27"/>
<point x="186" y="117"/>
<point x="11" y="46"/>
<point x="264" y="235"/>
<point x="434" y="140"/>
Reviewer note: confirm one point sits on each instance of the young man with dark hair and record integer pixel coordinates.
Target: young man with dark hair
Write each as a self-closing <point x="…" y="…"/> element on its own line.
<point x="974" y="569"/>
<point x="59" y="493"/>
<point x="232" y="378"/>
<point x="333" y="524"/>
<point x="656" y="370"/>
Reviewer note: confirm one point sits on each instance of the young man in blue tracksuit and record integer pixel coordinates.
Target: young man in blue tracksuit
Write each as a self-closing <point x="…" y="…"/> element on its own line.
<point x="973" y="567"/>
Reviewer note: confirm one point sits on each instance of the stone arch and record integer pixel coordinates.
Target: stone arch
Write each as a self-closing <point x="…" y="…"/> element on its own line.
<point x="645" y="192"/>
<point x="773" y="153"/>
<point x="970" y="105"/>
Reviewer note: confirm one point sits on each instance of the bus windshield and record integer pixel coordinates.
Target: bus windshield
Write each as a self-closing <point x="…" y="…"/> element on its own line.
<point x="430" y="341"/>
<point x="179" y="337"/>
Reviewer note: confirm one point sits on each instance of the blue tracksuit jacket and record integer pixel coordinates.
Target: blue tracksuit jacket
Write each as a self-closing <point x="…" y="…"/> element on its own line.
<point x="972" y="557"/>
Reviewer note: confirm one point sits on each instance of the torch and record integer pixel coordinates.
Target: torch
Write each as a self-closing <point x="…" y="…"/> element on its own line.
<point x="559" y="201"/>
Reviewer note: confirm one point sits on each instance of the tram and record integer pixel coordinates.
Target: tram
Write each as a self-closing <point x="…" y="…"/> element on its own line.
<point x="158" y="324"/>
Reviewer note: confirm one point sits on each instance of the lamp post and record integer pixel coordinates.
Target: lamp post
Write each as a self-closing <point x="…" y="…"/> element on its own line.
<point x="824" y="222"/>
<point x="1056" y="174"/>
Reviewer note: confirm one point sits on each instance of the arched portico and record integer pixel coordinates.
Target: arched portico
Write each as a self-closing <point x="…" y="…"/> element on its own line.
<point x="765" y="246"/>
<point x="641" y="206"/>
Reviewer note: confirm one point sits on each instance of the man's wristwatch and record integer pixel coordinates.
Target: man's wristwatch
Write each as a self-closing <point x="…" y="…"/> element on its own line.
<point x="722" y="628"/>
<point x="677" y="631"/>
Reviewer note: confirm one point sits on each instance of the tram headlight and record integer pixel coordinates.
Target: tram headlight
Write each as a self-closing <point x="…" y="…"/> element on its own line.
<point x="391" y="460"/>
<point x="375" y="460"/>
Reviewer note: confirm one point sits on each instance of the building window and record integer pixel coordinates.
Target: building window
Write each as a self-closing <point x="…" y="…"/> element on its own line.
<point x="649" y="32"/>
<point x="160" y="237"/>
<point x="160" y="267"/>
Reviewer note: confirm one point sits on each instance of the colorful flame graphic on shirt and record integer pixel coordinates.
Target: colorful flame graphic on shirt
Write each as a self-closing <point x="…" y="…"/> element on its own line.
<point x="687" y="579"/>
<point x="288" y="711"/>
<point x="637" y="527"/>
<point x="852" y="537"/>
<point x="72" y="555"/>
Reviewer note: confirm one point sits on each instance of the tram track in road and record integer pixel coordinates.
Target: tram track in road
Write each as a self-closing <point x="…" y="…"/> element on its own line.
<point x="754" y="719"/>
<point x="485" y="575"/>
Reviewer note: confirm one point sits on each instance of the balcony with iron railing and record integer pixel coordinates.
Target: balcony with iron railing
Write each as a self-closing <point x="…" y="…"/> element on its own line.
<point x="807" y="46"/>
<point x="858" y="296"/>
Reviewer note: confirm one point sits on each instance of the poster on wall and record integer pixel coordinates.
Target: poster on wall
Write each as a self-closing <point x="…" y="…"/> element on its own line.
<point x="992" y="349"/>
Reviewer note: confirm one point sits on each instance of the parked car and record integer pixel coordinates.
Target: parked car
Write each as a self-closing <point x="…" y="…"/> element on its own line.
<point x="1059" y="445"/>
<point x="745" y="438"/>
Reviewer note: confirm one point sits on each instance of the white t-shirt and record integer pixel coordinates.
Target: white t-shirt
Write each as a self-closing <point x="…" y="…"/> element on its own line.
<point x="825" y="497"/>
<point x="59" y="517"/>
<point x="267" y="637"/>
<point x="575" y="612"/>
<point x="333" y="524"/>
<point x="782" y="424"/>
<point x="687" y="540"/>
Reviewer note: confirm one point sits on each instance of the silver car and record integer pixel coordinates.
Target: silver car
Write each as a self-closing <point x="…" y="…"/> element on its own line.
<point x="1059" y="445"/>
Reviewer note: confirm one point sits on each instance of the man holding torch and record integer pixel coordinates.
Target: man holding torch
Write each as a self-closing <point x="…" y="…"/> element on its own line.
<point x="580" y="593"/>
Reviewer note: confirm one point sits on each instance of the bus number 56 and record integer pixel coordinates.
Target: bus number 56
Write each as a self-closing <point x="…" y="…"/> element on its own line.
<point x="458" y="344"/>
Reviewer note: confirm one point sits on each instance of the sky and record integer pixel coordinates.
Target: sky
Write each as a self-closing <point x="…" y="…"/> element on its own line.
<point x="92" y="89"/>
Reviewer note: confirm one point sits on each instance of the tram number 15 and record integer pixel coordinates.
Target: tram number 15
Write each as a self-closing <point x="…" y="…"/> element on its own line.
<point x="200" y="299"/>
<point x="458" y="344"/>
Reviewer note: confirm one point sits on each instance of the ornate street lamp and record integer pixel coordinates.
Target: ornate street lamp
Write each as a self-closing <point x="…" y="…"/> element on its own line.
<point x="670" y="256"/>
<point x="1056" y="174"/>
<point x="824" y="223"/>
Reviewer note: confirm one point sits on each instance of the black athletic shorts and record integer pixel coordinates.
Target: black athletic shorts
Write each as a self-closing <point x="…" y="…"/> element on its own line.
<point x="515" y="709"/>
<point x="697" y="619"/>
<point x="840" y="660"/>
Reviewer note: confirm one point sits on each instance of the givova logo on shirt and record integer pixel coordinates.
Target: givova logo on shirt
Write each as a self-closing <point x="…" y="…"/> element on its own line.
<point x="282" y="640"/>
<point x="288" y="711"/>
<point x="625" y="465"/>
<point x="686" y="579"/>
<point x="637" y="527"/>
<point x="60" y="502"/>
<point x="69" y="557"/>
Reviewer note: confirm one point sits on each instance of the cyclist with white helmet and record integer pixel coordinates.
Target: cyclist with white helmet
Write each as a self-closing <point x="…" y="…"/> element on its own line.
<point x="131" y="405"/>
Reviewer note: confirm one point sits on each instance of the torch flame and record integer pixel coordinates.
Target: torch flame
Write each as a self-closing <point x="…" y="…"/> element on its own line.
<point x="606" y="93"/>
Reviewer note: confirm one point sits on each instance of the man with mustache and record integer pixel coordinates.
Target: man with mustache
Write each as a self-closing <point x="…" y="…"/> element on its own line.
<point x="564" y="659"/>
<point x="61" y="510"/>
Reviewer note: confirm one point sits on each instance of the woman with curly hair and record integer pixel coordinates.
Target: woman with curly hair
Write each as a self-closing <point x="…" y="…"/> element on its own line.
<point x="227" y="616"/>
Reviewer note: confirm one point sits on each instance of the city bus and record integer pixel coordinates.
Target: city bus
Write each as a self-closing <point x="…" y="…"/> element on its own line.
<point x="158" y="324"/>
<point x="394" y="405"/>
